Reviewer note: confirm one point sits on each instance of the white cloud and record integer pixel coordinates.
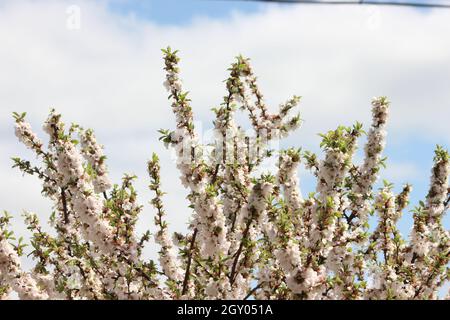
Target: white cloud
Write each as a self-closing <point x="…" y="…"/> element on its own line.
<point x="402" y="172"/>
<point x="108" y="75"/>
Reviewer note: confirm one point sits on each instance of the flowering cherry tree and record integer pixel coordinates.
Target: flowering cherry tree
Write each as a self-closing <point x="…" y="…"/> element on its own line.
<point x="251" y="234"/>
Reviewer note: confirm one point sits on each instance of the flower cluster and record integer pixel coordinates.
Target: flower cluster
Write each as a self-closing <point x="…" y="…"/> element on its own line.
<point x="93" y="153"/>
<point x="252" y="234"/>
<point x="11" y="275"/>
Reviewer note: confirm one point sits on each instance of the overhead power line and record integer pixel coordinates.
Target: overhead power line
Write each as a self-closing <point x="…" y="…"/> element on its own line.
<point x="364" y="2"/>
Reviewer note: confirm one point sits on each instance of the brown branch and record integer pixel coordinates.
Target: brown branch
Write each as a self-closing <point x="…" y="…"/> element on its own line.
<point x="447" y="202"/>
<point x="64" y="203"/>
<point x="238" y="252"/>
<point x="253" y="291"/>
<point x="216" y="171"/>
<point x="188" y="266"/>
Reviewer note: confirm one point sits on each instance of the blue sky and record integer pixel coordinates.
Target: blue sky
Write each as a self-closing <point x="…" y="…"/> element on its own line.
<point x="182" y="12"/>
<point x="176" y="12"/>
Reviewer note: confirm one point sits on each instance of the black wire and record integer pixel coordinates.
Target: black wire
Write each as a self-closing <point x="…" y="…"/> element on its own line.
<point x="359" y="2"/>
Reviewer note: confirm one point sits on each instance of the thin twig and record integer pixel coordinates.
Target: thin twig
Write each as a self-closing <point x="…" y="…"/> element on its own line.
<point x="64" y="203"/>
<point x="188" y="266"/>
<point x="239" y="251"/>
<point x="253" y="291"/>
